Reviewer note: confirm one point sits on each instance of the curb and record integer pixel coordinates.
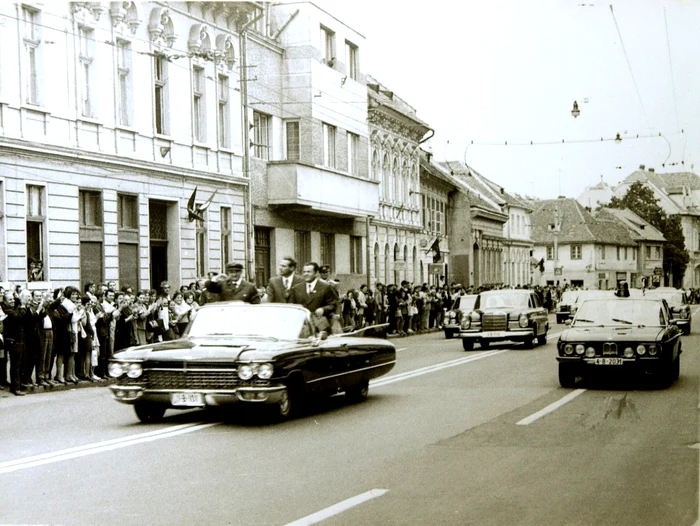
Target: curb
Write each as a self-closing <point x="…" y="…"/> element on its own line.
<point x="391" y="336"/>
<point x="5" y="393"/>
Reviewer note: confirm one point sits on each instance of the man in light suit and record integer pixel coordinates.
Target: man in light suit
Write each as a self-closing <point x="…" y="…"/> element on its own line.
<point x="316" y="295"/>
<point x="232" y="287"/>
<point x="279" y="288"/>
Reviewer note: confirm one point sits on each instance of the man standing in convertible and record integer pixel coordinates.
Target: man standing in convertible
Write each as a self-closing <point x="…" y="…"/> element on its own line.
<point x="231" y="287"/>
<point x="316" y="295"/>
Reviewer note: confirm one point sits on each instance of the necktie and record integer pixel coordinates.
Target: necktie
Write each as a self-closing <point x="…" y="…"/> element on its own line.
<point x="308" y="289"/>
<point x="287" y="283"/>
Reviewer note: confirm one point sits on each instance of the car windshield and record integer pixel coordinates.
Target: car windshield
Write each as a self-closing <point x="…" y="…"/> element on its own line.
<point x="495" y="301"/>
<point x="249" y="321"/>
<point x="465" y="303"/>
<point x="672" y="297"/>
<point x="593" y="294"/>
<point x="620" y="312"/>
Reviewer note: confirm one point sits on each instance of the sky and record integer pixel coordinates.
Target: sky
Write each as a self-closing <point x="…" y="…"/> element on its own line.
<point x="483" y="73"/>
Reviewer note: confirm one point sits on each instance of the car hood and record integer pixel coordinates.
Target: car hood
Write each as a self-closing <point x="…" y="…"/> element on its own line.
<point x="207" y="349"/>
<point x="606" y="334"/>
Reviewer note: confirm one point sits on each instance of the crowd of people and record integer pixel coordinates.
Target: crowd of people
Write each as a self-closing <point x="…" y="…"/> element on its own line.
<point x="63" y="336"/>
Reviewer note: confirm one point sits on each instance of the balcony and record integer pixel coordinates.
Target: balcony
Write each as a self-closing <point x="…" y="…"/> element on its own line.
<point x="315" y="190"/>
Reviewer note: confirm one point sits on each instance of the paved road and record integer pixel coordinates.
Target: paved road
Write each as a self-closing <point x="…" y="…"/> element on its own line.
<point x="449" y="437"/>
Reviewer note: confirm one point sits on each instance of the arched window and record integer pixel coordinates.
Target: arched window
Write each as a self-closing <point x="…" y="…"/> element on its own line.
<point x="414" y="268"/>
<point x="375" y="167"/>
<point x="386" y="177"/>
<point x="376" y="262"/>
<point x="405" y="183"/>
<point x="387" y="275"/>
<point x="397" y="274"/>
<point x="397" y="181"/>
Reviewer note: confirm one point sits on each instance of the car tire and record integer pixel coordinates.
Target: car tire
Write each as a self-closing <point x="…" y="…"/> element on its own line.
<point x="357" y="393"/>
<point x="567" y="375"/>
<point x="148" y="412"/>
<point x="449" y="335"/>
<point x="542" y="339"/>
<point x="686" y="329"/>
<point x="484" y="344"/>
<point x="467" y="345"/>
<point x="529" y="343"/>
<point x="560" y="319"/>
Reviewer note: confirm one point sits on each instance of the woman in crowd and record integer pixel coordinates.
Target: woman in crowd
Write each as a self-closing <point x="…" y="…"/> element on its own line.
<point x="181" y="310"/>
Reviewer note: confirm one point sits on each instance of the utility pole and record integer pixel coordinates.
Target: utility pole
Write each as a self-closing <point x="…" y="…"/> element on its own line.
<point x="556" y="240"/>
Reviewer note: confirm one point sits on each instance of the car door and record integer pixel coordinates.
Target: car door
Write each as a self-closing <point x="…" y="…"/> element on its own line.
<point x="539" y="314"/>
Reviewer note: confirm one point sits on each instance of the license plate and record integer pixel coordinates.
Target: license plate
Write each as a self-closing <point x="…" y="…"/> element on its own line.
<point x="493" y="334"/>
<point x="187" y="399"/>
<point x="608" y="361"/>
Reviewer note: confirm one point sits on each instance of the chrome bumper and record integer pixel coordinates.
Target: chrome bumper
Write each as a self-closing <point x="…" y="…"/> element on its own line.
<point x="513" y="334"/>
<point x="129" y="394"/>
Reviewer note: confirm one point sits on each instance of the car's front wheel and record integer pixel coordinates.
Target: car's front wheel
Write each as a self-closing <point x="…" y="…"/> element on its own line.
<point x="148" y="412"/>
<point x="542" y="339"/>
<point x="449" y="335"/>
<point x="484" y="344"/>
<point x="357" y="393"/>
<point x="560" y="319"/>
<point x="686" y="329"/>
<point x="467" y="345"/>
<point x="567" y="375"/>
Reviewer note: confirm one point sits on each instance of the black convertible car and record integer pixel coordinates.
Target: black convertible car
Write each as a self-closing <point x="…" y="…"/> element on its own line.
<point x="234" y="352"/>
<point x="619" y="336"/>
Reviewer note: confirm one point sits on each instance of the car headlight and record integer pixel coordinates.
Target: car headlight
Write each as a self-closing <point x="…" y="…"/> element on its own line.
<point x="590" y="352"/>
<point x="245" y="372"/>
<point x="265" y="370"/>
<point x="628" y="352"/>
<point x="580" y="349"/>
<point x="466" y="322"/>
<point x="684" y="314"/>
<point x="653" y="350"/>
<point x="641" y="350"/>
<point x="116" y="369"/>
<point x="523" y="320"/>
<point x="452" y="315"/>
<point x="568" y="349"/>
<point x="134" y="370"/>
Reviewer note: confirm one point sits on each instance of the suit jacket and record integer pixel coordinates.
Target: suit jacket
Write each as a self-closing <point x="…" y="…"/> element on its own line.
<point x="276" y="293"/>
<point x="246" y="292"/>
<point x="323" y="296"/>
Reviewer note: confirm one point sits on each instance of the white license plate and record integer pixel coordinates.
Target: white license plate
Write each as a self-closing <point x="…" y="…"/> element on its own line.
<point x="493" y="334"/>
<point x="608" y="361"/>
<point x="187" y="399"/>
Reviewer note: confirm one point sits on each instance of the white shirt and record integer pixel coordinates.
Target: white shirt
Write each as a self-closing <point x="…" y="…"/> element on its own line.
<point x="310" y="286"/>
<point x="287" y="281"/>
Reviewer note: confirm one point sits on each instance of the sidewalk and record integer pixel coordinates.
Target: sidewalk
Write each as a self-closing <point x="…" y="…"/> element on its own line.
<point x="5" y="393"/>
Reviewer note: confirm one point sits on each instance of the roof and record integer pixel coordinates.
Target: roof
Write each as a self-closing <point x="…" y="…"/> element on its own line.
<point x="476" y="190"/>
<point x="576" y="225"/>
<point x="386" y="97"/>
<point x="665" y="181"/>
<point x="640" y="230"/>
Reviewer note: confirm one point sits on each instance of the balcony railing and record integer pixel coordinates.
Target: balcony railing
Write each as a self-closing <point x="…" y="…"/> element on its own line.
<point x="320" y="190"/>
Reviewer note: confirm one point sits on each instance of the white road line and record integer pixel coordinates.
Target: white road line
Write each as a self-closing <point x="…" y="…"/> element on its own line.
<point x="99" y="447"/>
<point x="401" y="349"/>
<point x="551" y="407"/>
<point x="434" y="368"/>
<point x="340" y="507"/>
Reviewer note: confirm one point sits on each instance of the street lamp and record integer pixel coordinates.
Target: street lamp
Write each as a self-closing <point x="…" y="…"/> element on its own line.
<point x="618" y="139"/>
<point x="575" y="111"/>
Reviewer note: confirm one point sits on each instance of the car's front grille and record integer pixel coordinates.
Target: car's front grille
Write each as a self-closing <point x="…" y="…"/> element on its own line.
<point x="494" y="322"/>
<point x="173" y="379"/>
<point x="609" y="349"/>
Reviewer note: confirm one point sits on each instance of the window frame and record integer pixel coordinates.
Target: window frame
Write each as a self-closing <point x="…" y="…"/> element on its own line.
<point x="86" y="53"/>
<point x="90" y="204"/>
<point x="289" y="154"/>
<point x="223" y="116"/>
<point x="327" y="43"/>
<point x="200" y="245"/>
<point x="356" y="259"/>
<point x="37" y="219"/>
<point x="32" y="53"/>
<point x="330" y="136"/>
<point x="576" y="252"/>
<point x="261" y="134"/>
<point x="199" y="104"/>
<point x="550" y="250"/>
<point x="225" y="220"/>
<point x="302" y="246"/>
<point x="353" y="153"/>
<point x="160" y="93"/>
<point x="124" y="83"/>
<point x="352" y="68"/>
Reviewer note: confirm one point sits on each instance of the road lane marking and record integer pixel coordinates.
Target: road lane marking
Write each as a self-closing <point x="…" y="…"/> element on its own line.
<point x="99" y="447"/>
<point x="433" y="368"/>
<point x="401" y="349"/>
<point x="551" y="407"/>
<point x="340" y="507"/>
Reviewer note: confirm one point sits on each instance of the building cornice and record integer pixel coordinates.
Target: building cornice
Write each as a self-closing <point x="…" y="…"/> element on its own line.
<point x="98" y="159"/>
<point x="384" y="117"/>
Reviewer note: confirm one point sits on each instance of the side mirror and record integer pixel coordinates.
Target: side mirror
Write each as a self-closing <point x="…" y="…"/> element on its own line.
<point x="567" y="322"/>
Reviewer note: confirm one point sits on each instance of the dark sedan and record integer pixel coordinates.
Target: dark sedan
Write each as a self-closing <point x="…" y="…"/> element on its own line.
<point x="508" y="314"/>
<point x="678" y="304"/>
<point x="461" y="307"/>
<point x="234" y="352"/>
<point x="620" y="335"/>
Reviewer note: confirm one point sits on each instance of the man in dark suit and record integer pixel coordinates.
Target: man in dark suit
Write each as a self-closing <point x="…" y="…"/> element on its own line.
<point x="279" y="288"/>
<point x="232" y="287"/>
<point x="316" y="295"/>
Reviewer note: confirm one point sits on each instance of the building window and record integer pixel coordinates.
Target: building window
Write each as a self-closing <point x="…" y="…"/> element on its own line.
<point x="127" y="212"/>
<point x="261" y="142"/>
<point x="658" y="252"/>
<point x="36" y="217"/>
<point x="327" y="46"/>
<point x="625" y="253"/>
<point x="224" y="122"/>
<point x="648" y="252"/>
<point x="199" y="112"/>
<point x="550" y="253"/>
<point x="90" y="208"/>
<point x="328" y="249"/>
<point x="329" y="133"/>
<point x="353" y="151"/>
<point x="356" y="255"/>
<point x="351" y="60"/>
<point x="32" y="41"/>
<point x="576" y="252"/>
<point x="226" y="234"/>
<point x="160" y="81"/>
<point x="302" y="247"/>
<point x="124" y="82"/>
<point x="201" y="245"/>
<point x="85" y="57"/>
<point x="424" y="213"/>
<point x="634" y="254"/>
<point x="292" y="143"/>
<point x="618" y="253"/>
<point x="602" y="252"/>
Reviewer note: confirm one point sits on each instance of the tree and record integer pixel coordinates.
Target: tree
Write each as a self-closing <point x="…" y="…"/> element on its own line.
<point x="641" y="200"/>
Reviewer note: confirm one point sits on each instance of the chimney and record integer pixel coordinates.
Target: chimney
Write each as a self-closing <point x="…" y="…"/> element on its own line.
<point x="642" y="167"/>
<point x="651" y="170"/>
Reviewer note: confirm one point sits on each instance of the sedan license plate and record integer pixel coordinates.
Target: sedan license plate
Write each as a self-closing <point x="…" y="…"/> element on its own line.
<point x="608" y="361"/>
<point x="187" y="399"/>
<point x="493" y="334"/>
